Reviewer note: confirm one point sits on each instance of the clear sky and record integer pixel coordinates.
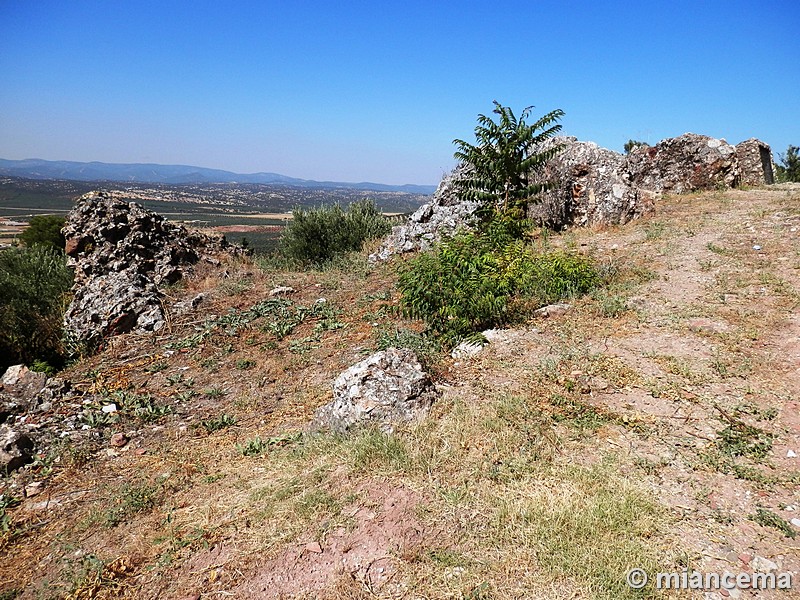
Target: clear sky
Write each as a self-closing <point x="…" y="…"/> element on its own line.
<point x="376" y="91"/>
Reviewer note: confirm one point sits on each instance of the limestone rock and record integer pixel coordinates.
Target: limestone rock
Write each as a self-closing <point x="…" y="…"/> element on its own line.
<point x="387" y="387"/>
<point x="442" y="216"/>
<point x="687" y="163"/>
<point x="755" y="163"/>
<point x="23" y="385"/>
<point x="121" y="254"/>
<point x="590" y="185"/>
<point x="16" y="449"/>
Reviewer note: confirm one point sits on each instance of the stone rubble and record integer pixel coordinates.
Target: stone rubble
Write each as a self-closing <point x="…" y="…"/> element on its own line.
<point x="122" y="255"/>
<point x="387" y="387"/>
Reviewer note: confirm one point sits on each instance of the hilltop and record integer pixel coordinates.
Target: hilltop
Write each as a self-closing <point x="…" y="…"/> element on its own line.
<point x="653" y="423"/>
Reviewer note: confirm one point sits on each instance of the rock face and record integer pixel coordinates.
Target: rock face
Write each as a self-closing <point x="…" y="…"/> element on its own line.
<point x="442" y="216"/>
<point x="15" y="449"/>
<point x="121" y="254"/>
<point x="593" y="185"/>
<point x="387" y="387"/>
<point x="589" y="185"/>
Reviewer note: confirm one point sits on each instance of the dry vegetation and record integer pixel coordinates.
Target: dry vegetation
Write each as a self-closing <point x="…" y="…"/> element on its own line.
<point x="648" y="426"/>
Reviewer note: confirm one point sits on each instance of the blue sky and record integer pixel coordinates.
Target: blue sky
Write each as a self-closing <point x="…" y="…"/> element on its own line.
<point x="377" y="91"/>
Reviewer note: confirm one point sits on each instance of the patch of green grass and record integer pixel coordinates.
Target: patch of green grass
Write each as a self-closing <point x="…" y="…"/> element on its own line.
<point x="221" y="422"/>
<point x="590" y="528"/>
<point x="245" y="364"/>
<point x="654" y="230"/>
<point x="768" y="518"/>
<point x="214" y="392"/>
<point x="740" y="439"/>
<point x="257" y="445"/>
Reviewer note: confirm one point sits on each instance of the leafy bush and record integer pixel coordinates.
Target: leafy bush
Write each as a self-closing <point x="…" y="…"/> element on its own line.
<point x="491" y="277"/>
<point x="505" y="161"/>
<point x="33" y="285"/>
<point x="788" y="168"/>
<point x="44" y="230"/>
<point x="317" y="235"/>
<point x="468" y="283"/>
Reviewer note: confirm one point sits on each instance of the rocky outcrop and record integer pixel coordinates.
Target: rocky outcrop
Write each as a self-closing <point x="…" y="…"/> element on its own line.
<point x="442" y="216"/>
<point x="16" y="449"/>
<point x="122" y="254"/>
<point x="387" y="387"/>
<point x="598" y="186"/>
<point x="588" y="185"/>
<point x="592" y="185"/>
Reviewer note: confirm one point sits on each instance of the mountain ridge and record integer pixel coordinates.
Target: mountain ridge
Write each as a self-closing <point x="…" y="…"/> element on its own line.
<point x="35" y="168"/>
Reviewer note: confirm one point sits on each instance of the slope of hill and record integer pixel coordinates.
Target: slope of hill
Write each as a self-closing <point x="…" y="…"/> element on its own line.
<point x="652" y="425"/>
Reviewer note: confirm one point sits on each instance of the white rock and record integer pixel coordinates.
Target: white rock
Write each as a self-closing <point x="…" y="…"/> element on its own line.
<point x="281" y="289"/>
<point x="466" y="350"/>
<point x="763" y="565"/>
<point x="109" y="408"/>
<point x="791" y="454"/>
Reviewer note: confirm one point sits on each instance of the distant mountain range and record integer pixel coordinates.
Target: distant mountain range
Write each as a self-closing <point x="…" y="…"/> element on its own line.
<point x="34" y="168"/>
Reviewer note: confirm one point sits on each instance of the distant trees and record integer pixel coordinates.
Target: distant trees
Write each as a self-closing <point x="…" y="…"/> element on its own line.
<point x="788" y="168"/>
<point x="631" y="144"/>
<point x="44" y="230"/>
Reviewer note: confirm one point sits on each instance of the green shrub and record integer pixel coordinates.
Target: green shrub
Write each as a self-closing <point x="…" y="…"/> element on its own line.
<point x="317" y="235"/>
<point x="467" y="283"/>
<point x="788" y="167"/>
<point x="33" y="286"/>
<point x="44" y="230"/>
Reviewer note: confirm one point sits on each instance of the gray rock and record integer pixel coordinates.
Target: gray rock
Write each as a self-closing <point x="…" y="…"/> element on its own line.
<point x="121" y="254"/>
<point x="442" y="216"/>
<point x="387" y="387"/>
<point x="590" y="185"/>
<point x="186" y="306"/>
<point x="552" y="310"/>
<point x="16" y="449"/>
<point x="23" y="385"/>
<point x="763" y="565"/>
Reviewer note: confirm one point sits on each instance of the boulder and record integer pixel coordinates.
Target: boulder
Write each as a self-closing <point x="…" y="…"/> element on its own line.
<point x="440" y="217"/>
<point x="755" y="163"/>
<point x="389" y="386"/>
<point x="589" y="185"/>
<point x="16" y="449"/>
<point x="23" y="386"/>
<point x="687" y="163"/>
<point x="122" y="254"/>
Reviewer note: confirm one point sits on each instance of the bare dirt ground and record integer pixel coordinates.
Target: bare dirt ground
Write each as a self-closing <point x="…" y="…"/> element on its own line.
<point x="654" y="424"/>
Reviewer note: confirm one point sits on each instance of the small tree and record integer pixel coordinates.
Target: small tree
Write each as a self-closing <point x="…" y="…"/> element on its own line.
<point x="789" y="169"/>
<point x="631" y="144"/>
<point x="44" y="230"/>
<point x="503" y="164"/>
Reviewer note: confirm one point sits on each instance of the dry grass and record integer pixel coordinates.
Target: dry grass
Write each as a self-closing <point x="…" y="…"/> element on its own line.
<point x="643" y="428"/>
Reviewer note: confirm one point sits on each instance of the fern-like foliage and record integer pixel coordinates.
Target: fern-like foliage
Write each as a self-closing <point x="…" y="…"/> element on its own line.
<point x="504" y="161"/>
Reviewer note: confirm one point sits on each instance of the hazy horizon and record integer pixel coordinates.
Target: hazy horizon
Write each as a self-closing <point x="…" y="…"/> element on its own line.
<point x="337" y="92"/>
